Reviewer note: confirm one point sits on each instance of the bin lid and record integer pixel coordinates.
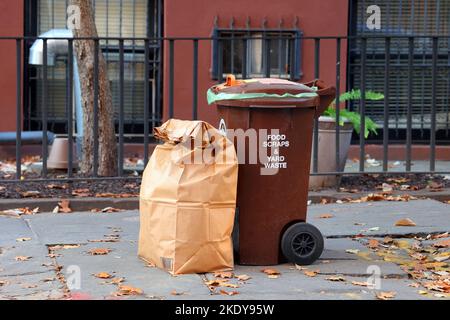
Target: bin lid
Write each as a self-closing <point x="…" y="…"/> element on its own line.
<point x="268" y="90"/>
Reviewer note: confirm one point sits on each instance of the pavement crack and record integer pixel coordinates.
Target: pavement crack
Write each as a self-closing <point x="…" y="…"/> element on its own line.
<point x="59" y="275"/>
<point x="26" y="273"/>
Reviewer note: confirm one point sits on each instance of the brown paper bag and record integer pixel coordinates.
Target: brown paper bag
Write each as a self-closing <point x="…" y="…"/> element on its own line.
<point x="188" y="199"/>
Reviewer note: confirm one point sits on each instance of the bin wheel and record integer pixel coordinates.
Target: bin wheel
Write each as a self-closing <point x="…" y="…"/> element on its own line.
<point x="302" y="243"/>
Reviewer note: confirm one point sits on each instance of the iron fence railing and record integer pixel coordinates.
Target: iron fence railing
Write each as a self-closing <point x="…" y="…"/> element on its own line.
<point x="320" y="48"/>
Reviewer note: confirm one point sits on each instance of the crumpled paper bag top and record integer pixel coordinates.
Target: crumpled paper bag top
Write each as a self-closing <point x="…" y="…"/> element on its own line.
<point x="176" y="131"/>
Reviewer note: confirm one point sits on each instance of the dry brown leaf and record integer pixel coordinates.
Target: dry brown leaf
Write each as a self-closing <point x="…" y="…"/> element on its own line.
<point x="273" y="276"/>
<point x="439" y="236"/>
<point x="128" y="291"/>
<point x="99" y="251"/>
<point x="385" y="295"/>
<point x="373" y="244"/>
<point x="442" y="244"/>
<point x="107" y="210"/>
<point x="325" y="216"/>
<point x="215" y="282"/>
<point x="406" y="222"/>
<point x="243" y="277"/>
<point x="271" y="272"/>
<point x="311" y="273"/>
<point x="418" y="256"/>
<point x="388" y="240"/>
<point x="65" y="246"/>
<point x="414" y="285"/>
<point x="362" y="284"/>
<point x="229" y="285"/>
<point x="30" y="194"/>
<point x="386" y="187"/>
<point x="64" y="206"/>
<point x="81" y="192"/>
<point x="23" y="239"/>
<point x="176" y="293"/>
<point x="228" y="293"/>
<point x="22" y="258"/>
<point x="3" y="283"/>
<point x="103" y="275"/>
<point x="335" y="278"/>
<point x="223" y="274"/>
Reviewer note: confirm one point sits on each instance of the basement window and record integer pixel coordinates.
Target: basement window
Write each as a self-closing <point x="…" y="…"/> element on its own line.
<point x="256" y="53"/>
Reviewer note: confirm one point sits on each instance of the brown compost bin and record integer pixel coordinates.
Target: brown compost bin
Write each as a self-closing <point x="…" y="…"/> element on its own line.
<point x="273" y="192"/>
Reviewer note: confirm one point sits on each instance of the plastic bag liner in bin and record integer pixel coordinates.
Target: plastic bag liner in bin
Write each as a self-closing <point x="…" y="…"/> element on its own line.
<point x="188" y="199"/>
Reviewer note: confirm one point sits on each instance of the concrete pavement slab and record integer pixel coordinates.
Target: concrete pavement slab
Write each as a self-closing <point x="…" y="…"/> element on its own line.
<point x="79" y="227"/>
<point x="378" y="218"/>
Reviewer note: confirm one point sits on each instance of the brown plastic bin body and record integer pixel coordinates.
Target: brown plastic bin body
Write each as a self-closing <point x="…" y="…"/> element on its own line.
<point x="269" y="204"/>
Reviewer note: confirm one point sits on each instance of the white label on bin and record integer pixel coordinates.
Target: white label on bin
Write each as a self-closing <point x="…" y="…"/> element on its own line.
<point x="275" y="159"/>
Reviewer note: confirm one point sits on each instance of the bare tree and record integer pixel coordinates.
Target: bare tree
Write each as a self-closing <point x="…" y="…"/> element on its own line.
<point x="85" y="54"/>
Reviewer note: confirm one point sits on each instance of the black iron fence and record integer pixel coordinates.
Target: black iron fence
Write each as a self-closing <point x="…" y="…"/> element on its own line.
<point x="286" y="55"/>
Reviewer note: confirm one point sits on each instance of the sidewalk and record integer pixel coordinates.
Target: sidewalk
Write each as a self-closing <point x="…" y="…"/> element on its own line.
<point x="54" y="249"/>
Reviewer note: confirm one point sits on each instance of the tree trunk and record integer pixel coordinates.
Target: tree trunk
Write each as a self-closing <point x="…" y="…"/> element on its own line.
<point x="85" y="53"/>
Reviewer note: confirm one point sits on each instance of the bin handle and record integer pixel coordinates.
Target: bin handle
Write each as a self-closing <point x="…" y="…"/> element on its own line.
<point x="326" y="94"/>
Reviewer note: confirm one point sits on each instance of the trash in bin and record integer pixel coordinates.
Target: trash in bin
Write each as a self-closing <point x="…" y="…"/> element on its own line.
<point x="188" y="199"/>
<point x="273" y="191"/>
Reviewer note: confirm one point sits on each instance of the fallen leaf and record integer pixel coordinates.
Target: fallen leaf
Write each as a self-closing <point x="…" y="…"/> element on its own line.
<point x="362" y="284"/>
<point x="128" y="291"/>
<point x="406" y="222"/>
<point x="65" y="246"/>
<point x="64" y="206"/>
<point x="99" y="251"/>
<point x="110" y="210"/>
<point x="386" y="295"/>
<point x="442" y="244"/>
<point x="3" y="283"/>
<point x="388" y="240"/>
<point x="56" y="186"/>
<point x="434" y="186"/>
<point x="414" y="285"/>
<point x="271" y="272"/>
<point x="325" y="216"/>
<point x="273" y="276"/>
<point x="373" y="243"/>
<point x="311" y="273"/>
<point x="423" y="292"/>
<point x="176" y="293"/>
<point x="23" y="239"/>
<point x="117" y="280"/>
<point x="418" y="256"/>
<point x="352" y="251"/>
<point x="103" y="275"/>
<point x="229" y="285"/>
<point x="22" y="258"/>
<point x="215" y="282"/>
<point x="81" y="192"/>
<point x="30" y="194"/>
<point x="335" y="278"/>
<point x="223" y="275"/>
<point x="228" y="293"/>
<point x="55" y="210"/>
<point x="386" y="187"/>
<point x="243" y="277"/>
<point x="439" y="236"/>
